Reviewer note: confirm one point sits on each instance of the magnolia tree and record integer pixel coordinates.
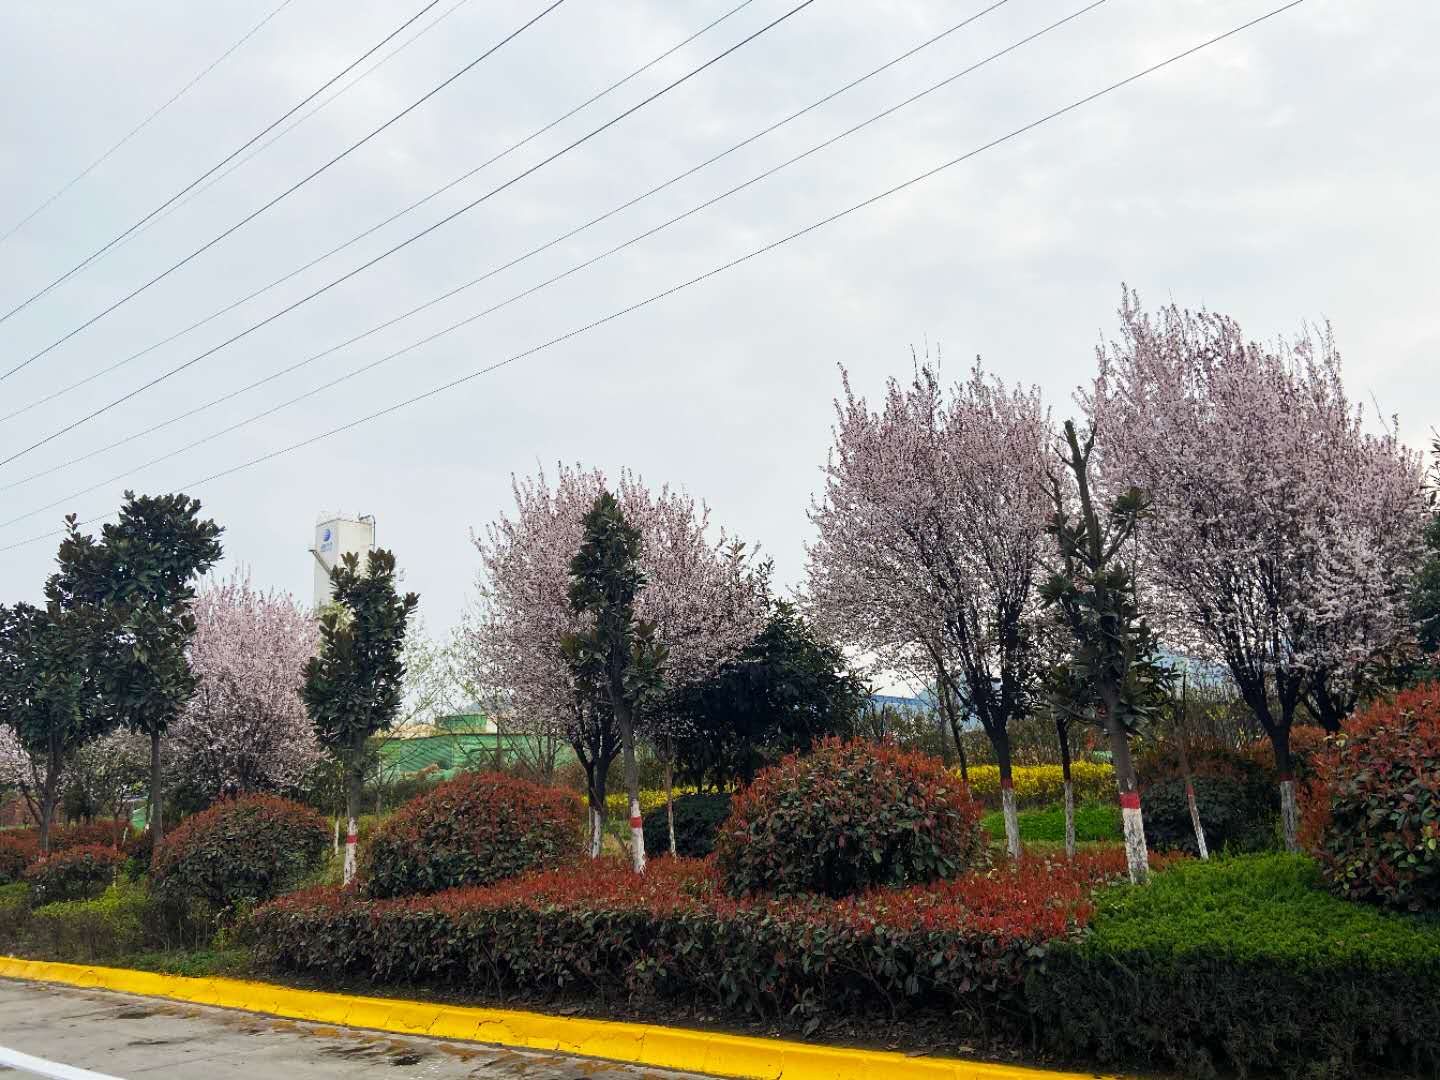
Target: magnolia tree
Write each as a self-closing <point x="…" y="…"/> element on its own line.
<point x="703" y="598"/>
<point x="246" y="728"/>
<point x="930" y="531"/>
<point x="1283" y="535"/>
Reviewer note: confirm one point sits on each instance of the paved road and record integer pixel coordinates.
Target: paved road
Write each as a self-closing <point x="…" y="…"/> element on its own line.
<point x="125" y="1036"/>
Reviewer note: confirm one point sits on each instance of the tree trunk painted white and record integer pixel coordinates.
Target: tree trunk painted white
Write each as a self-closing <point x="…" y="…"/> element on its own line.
<point x="352" y="840"/>
<point x="1195" y="822"/>
<point x="1069" y="820"/>
<point x="1137" y="858"/>
<point x="670" y="795"/>
<point x="1289" y="814"/>
<point x="632" y="777"/>
<point x="597" y="832"/>
<point x="1012" y="819"/>
<point x="337" y="834"/>
<point x="637" y="835"/>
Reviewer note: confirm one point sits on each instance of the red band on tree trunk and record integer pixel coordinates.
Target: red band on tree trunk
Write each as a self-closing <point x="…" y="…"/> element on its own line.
<point x="1007" y="784"/>
<point x="351" y="838"/>
<point x="1286" y="777"/>
<point x="1129" y="800"/>
<point x="637" y="823"/>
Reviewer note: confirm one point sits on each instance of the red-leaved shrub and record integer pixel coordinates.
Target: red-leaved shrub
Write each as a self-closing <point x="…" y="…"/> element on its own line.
<point x="86" y="834"/>
<point x="18" y="849"/>
<point x="961" y="946"/>
<point x="847" y="817"/>
<point x="473" y="830"/>
<point x="1373" y="809"/>
<point x="239" y="850"/>
<point x="82" y="873"/>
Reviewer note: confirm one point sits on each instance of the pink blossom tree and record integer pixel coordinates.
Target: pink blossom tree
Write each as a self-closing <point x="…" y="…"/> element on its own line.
<point x="704" y="598"/>
<point x="1283" y="533"/>
<point x="246" y="728"/>
<point x="930" y="531"/>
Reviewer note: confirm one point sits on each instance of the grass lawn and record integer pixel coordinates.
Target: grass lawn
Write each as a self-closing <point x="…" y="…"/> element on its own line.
<point x="1093" y="822"/>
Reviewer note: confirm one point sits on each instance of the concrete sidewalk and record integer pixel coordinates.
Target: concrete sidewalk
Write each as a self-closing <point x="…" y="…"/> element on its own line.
<point x="127" y="1036"/>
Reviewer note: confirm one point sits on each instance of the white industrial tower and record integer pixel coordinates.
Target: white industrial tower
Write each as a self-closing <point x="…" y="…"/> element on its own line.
<point x="335" y="537"/>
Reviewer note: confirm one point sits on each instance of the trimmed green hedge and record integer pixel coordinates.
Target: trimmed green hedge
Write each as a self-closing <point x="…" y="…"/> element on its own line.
<point x="1245" y="965"/>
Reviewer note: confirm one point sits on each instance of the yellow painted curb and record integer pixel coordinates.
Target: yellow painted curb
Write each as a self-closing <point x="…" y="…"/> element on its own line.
<point x="637" y="1044"/>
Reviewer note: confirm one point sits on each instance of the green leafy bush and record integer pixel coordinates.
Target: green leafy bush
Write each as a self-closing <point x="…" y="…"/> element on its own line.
<point x="1377" y="799"/>
<point x="1233" y="818"/>
<point x="850" y="816"/>
<point x="84" y="931"/>
<point x="14" y="915"/>
<point x="1245" y="965"/>
<point x="17" y="851"/>
<point x="698" y="818"/>
<point x="81" y="873"/>
<point x="139" y="851"/>
<point x="239" y="851"/>
<point x="956" y="949"/>
<point x="476" y="829"/>
<point x="1094" y="822"/>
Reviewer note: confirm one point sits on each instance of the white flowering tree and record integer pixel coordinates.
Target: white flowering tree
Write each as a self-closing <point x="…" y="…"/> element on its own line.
<point x="703" y="597"/>
<point x="246" y="728"/>
<point x="930" y="530"/>
<point x="1283" y="535"/>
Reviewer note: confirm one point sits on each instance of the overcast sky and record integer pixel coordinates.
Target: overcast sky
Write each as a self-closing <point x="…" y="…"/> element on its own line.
<point x="1289" y="174"/>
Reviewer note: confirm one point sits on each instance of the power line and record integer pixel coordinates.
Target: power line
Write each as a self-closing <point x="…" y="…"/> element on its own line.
<point x="715" y="271"/>
<point x="410" y="240"/>
<point x="143" y="123"/>
<point x="219" y="164"/>
<point x="230" y="395"/>
<point x="381" y="224"/>
<point x="288" y="191"/>
<point x="255" y="151"/>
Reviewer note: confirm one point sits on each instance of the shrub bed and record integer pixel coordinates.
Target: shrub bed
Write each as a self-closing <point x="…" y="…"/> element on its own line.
<point x="697" y="822"/>
<point x="84" y="931"/>
<point x="476" y="829"/>
<point x="847" y="817"/>
<point x="1245" y="965"/>
<point x="88" y="834"/>
<point x="81" y="873"/>
<point x="239" y="851"/>
<point x="960" y="947"/>
<point x="1374" y="804"/>
<point x="17" y="851"/>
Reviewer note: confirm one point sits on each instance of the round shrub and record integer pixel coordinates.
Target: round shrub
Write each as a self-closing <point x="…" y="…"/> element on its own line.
<point x="698" y="818"/>
<point x="476" y="829"/>
<point x="243" y="850"/>
<point x="17" y="851"/>
<point x="1375" y="803"/>
<point x="847" y="817"/>
<point x="82" y="873"/>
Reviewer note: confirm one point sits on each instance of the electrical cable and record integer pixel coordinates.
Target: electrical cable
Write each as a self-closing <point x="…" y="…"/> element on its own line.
<point x="219" y="164"/>
<point x="407" y="242"/>
<point x="259" y="149"/>
<point x="232" y="394"/>
<point x="54" y="196"/>
<point x="288" y="191"/>
<point x="378" y="225"/>
<point x="717" y="270"/>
